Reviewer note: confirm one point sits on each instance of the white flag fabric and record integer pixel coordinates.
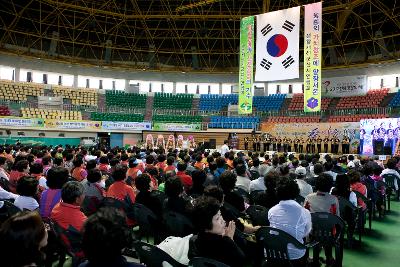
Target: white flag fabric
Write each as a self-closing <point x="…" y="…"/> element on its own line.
<point x="277" y="45"/>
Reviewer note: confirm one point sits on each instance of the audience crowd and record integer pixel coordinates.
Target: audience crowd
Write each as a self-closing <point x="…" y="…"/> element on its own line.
<point x="67" y="186"/>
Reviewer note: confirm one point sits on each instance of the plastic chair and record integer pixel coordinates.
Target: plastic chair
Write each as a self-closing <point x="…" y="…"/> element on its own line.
<point x="149" y="223"/>
<point x="390" y="181"/>
<point x="153" y="256"/>
<point x="258" y="215"/>
<point x="205" y="262"/>
<point x="275" y="243"/>
<point x="349" y="213"/>
<point x="327" y="230"/>
<point x="177" y="224"/>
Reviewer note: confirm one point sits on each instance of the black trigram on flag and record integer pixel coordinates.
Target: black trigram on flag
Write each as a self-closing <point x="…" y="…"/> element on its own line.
<point x="266" y="29"/>
<point x="287" y="25"/>
<point x="288" y="61"/>
<point x="266" y="64"/>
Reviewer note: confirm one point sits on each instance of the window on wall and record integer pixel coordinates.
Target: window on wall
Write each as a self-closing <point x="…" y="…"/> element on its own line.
<point x="67" y="80"/>
<point x="23" y="75"/>
<point x="144" y="86"/>
<point x="6" y="73"/>
<point x="389" y="81"/>
<point x="156" y="87"/>
<point x="226" y="88"/>
<point x="192" y="88"/>
<point x="37" y="76"/>
<point x="94" y="82"/>
<point x="107" y="84"/>
<point x="297" y="88"/>
<point x="52" y="78"/>
<point x="272" y="88"/>
<point x="214" y="88"/>
<point x="120" y="84"/>
<point x="284" y="88"/>
<point x="203" y="88"/>
<point x="180" y="88"/>
<point x="168" y="87"/>
<point x="374" y="82"/>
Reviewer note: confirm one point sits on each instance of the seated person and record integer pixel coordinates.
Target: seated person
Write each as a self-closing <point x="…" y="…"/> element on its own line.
<point x="144" y="197"/>
<point x="78" y="172"/>
<point x="305" y="188"/>
<point x="242" y="180"/>
<point x="56" y="178"/>
<point x="27" y="188"/>
<point x="105" y="235"/>
<point x="19" y="169"/>
<point x="93" y="185"/>
<point x="185" y="178"/>
<point x="177" y="200"/>
<point x="268" y="198"/>
<point x="67" y="213"/>
<point x="214" y="239"/>
<point x="119" y="189"/>
<point x="22" y="238"/>
<point x="37" y="171"/>
<point x="199" y="178"/>
<point x="290" y="217"/>
<point x="227" y="181"/>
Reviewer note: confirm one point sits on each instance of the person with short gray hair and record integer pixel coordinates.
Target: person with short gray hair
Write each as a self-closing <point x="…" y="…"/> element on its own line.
<point x="67" y="213"/>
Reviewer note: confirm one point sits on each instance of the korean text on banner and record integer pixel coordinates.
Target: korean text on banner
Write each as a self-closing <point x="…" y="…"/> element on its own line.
<point x="176" y="127"/>
<point x="246" y="65"/>
<point x="277" y="45"/>
<point x="119" y="125"/>
<point x="21" y="122"/>
<point x="312" y="57"/>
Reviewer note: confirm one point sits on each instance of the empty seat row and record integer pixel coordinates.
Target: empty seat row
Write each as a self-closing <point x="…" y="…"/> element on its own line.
<point x="373" y="98"/>
<point x="177" y="118"/>
<point x="78" y="97"/>
<point x="270" y="102"/>
<point x="217" y="102"/>
<point x="19" y="91"/>
<point x="283" y="119"/>
<point x="355" y="117"/>
<point x="128" y="100"/>
<point x="233" y="122"/>
<point x="172" y="101"/>
<point x="97" y="116"/>
<point x="4" y="111"/>
<point x="51" y="114"/>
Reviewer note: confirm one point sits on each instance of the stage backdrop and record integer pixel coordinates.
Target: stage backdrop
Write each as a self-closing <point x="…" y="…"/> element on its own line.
<point x="305" y="130"/>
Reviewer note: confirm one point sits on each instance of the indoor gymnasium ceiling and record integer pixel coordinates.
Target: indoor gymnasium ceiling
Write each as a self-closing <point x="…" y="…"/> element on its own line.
<point x="186" y="35"/>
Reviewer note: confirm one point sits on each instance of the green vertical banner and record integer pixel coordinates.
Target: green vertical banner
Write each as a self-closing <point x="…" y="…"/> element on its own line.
<point x="246" y="65"/>
<point x="312" y="56"/>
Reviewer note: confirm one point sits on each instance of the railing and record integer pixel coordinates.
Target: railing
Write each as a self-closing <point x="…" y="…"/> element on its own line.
<point x="377" y="110"/>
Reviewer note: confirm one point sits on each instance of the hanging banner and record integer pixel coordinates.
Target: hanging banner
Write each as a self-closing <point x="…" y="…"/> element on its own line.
<point x="19" y="122"/>
<point x="84" y="125"/>
<point x="277" y="46"/>
<point x="176" y="127"/>
<point x="312" y="57"/>
<point x="119" y="125"/>
<point x="345" y="86"/>
<point x="246" y="65"/>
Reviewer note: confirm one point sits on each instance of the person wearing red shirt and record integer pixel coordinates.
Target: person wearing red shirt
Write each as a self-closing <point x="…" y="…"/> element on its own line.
<point x="119" y="189"/>
<point x="134" y="170"/>
<point x="79" y="173"/>
<point x="67" y="213"/>
<point x="20" y="168"/>
<point x="170" y="165"/>
<point x="185" y="179"/>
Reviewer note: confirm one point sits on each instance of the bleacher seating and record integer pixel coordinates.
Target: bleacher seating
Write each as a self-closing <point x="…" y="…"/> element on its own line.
<point x="297" y="103"/>
<point x="78" y="97"/>
<point x="51" y="114"/>
<point x="267" y="103"/>
<point x="4" y="111"/>
<point x="177" y="118"/>
<point x="98" y="116"/>
<point x="355" y="117"/>
<point x="126" y="100"/>
<point x="283" y="119"/>
<point x="372" y="99"/>
<point x="19" y="91"/>
<point x="395" y="102"/>
<point x="217" y="102"/>
<point x="170" y="101"/>
<point x="234" y="122"/>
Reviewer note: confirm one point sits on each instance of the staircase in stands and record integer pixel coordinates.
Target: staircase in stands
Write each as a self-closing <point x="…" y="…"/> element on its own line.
<point x="387" y="99"/>
<point x="149" y="108"/>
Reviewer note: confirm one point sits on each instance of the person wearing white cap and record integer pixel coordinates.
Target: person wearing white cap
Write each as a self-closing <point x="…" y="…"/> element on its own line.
<point x="305" y="188"/>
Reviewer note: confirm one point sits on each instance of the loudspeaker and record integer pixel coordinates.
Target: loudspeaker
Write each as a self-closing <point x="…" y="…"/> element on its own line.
<point x="387" y="150"/>
<point x="213" y="143"/>
<point x="206" y="145"/>
<point x="8" y="132"/>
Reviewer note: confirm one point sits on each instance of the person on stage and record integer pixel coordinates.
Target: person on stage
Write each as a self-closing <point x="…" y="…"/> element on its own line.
<point x="264" y="140"/>
<point x="279" y="144"/>
<point x="346" y="145"/>
<point x="296" y="144"/>
<point x="319" y="144"/>
<point x="268" y="142"/>
<point x="284" y="140"/>
<point x="396" y="132"/>
<point x="362" y="136"/>
<point x="171" y="142"/>
<point x="274" y="140"/>
<point x="301" y="144"/>
<point x="259" y="143"/>
<point x="337" y="143"/>
<point x="149" y="141"/>
<point x="289" y="144"/>
<point x="246" y="143"/>
<point x="192" y="142"/>
<point x="313" y="142"/>
<point x="326" y="144"/>
<point x="308" y="145"/>
<point x="179" y="142"/>
<point x="389" y="142"/>
<point x="160" y="141"/>
<point x="254" y="139"/>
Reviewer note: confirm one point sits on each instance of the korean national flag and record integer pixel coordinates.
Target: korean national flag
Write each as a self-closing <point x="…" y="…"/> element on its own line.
<point x="277" y="45"/>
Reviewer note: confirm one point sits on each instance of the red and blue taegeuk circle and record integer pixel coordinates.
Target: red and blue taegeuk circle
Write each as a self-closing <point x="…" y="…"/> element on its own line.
<point x="277" y="45"/>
